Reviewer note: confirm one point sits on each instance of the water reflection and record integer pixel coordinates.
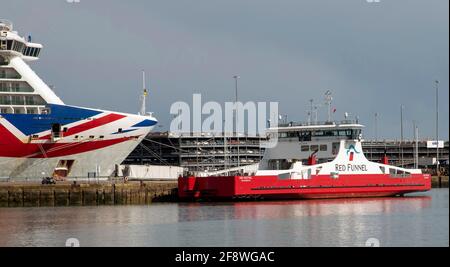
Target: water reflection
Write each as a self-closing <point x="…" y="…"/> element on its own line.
<point x="302" y="208"/>
<point x="348" y="222"/>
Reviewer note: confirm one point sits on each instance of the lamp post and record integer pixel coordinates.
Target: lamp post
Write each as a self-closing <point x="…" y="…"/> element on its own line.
<point x="401" y="133"/>
<point x="376" y="127"/>
<point x="236" y="78"/>
<point x="437" y="128"/>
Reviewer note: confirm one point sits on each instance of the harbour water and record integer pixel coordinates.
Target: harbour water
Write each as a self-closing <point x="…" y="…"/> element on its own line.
<point x="417" y="220"/>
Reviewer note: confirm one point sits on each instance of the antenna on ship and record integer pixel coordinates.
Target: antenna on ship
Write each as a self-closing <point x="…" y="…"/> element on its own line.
<point x="144" y="95"/>
<point x="328" y="101"/>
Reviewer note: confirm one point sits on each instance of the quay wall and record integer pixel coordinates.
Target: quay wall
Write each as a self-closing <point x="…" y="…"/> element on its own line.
<point x="37" y="195"/>
<point x="132" y="193"/>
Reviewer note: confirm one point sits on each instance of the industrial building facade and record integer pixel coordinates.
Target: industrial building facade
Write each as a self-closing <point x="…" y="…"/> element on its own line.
<point x="198" y="152"/>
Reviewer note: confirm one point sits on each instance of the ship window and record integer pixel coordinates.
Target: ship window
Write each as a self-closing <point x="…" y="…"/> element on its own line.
<point x="335" y="148"/>
<point x="34" y="100"/>
<point x="9" y="44"/>
<point x="32" y="111"/>
<point x="305" y="148"/>
<point x="46" y="111"/>
<point x="4" y="100"/>
<point x="305" y="136"/>
<point x="19" y="111"/>
<point x="17" y="100"/>
<point x="323" y="147"/>
<point x="394" y="173"/>
<point x="9" y="74"/>
<point x="3" y="61"/>
<point x="16" y="86"/>
<point x="314" y="148"/>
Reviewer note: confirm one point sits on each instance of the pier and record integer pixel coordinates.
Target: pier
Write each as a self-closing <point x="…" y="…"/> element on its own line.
<point x="132" y="193"/>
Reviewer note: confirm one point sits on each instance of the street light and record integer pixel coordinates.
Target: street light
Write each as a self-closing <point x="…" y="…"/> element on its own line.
<point x="401" y="132"/>
<point x="437" y="127"/>
<point x="376" y="127"/>
<point x="236" y="78"/>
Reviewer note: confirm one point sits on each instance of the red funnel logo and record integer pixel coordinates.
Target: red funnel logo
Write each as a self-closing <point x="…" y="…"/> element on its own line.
<point x="351" y="152"/>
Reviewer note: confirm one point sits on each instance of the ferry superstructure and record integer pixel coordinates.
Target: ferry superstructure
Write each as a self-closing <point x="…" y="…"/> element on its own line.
<point x="42" y="136"/>
<point x="312" y="160"/>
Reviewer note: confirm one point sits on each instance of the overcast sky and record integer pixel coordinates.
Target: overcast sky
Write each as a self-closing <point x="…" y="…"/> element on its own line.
<point x="372" y="56"/>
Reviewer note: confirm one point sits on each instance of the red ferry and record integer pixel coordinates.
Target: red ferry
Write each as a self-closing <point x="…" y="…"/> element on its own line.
<point x="309" y="162"/>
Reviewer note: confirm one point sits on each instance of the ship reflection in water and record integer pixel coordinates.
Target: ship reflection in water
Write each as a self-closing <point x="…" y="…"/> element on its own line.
<point x="420" y="220"/>
<point x="310" y="208"/>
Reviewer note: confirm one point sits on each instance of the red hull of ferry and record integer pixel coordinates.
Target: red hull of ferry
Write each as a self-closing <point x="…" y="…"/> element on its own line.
<point x="271" y="187"/>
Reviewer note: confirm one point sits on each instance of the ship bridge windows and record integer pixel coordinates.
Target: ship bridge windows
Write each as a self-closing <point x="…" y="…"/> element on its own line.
<point x="349" y="133"/>
<point x="9" y="44"/>
<point x="6" y="44"/>
<point x="32" y="51"/>
<point x="18" y="46"/>
<point x="304" y="136"/>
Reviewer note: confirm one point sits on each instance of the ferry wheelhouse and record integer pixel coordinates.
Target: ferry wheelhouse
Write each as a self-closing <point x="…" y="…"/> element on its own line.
<point x="42" y="136"/>
<point x="320" y="160"/>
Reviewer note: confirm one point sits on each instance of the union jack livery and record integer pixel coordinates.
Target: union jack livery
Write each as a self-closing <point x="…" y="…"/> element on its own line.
<point x="41" y="136"/>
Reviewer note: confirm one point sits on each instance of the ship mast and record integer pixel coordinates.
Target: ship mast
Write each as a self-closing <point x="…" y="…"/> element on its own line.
<point x="144" y="96"/>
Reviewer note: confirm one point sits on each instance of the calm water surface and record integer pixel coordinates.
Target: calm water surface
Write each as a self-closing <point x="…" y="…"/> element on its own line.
<point x="417" y="220"/>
